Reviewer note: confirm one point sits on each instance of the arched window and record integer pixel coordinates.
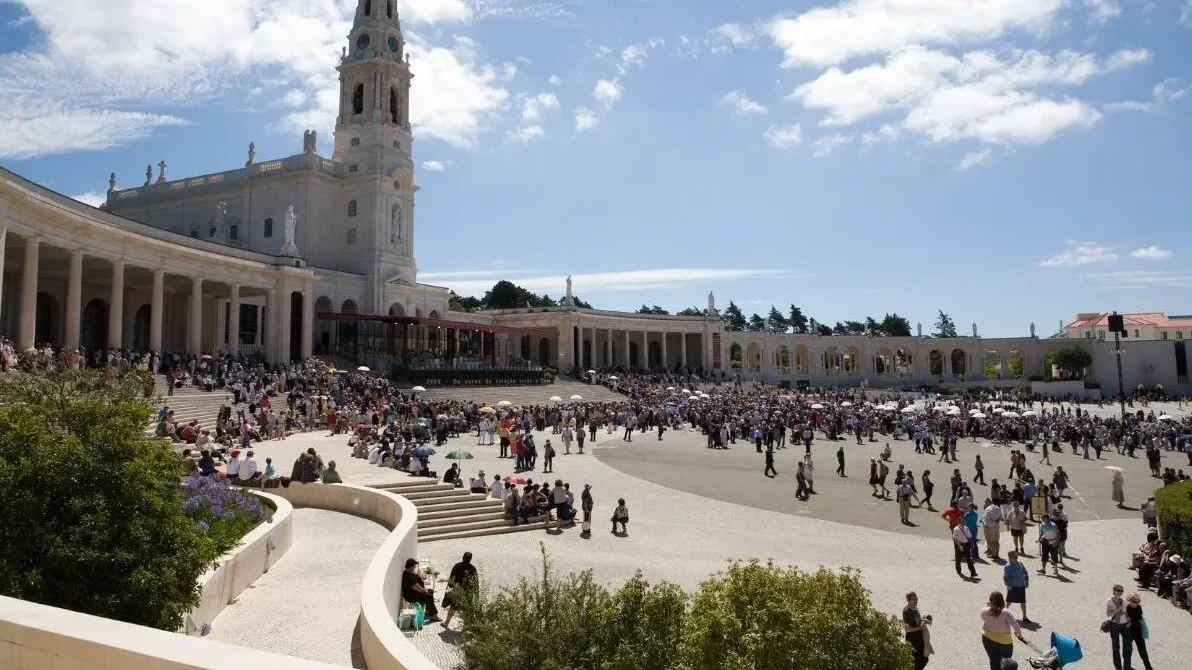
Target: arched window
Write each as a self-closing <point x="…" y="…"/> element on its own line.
<point x="358" y="99"/>
<point x="389" y="9"/>
<point x="394" y="110"/>
<point x="368" y="7"/>
<point x="351" y="208"/>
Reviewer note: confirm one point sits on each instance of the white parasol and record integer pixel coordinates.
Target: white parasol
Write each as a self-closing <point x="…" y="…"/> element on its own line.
<point x="363" y="368"/>
<point x="978" y="415"/>
<point x="1030" y="412"/>
<point x="817" y="406"/>
<point x="670" y="388"/>
<point x="1166" y="417"/>
<point x="577" y="397"/>
<point x="504" y="403"/>
<point x="418" y="388"/>
<point x="998" y="410"/>
<point x="1010" y="415"/>
<point x="846" y="404"/>
<point x="555" y="398"/>
<point x="910" y="409"/>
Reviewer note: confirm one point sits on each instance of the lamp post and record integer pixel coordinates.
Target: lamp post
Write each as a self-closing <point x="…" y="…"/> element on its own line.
<point x="1118" y="325"/>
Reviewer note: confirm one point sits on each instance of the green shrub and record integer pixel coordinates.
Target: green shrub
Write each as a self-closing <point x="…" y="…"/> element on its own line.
<point x="1173" y="505"/>
<point x="753" y="615"/>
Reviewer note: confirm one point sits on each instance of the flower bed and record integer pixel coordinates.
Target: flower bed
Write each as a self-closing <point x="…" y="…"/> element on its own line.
<point x="225" y="513"/>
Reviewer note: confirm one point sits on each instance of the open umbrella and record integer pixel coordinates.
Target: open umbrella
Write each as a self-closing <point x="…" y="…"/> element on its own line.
<point x="487" y="410"/>
<point x="459" y="455"/>
<point x="515" y="479"/>
<point x="670" y="388"/>
<point x="504" y="403"/>
<point x="817" y="406"/>
<point x="577" y="397"/>
<point x="1113" y="467"/>
<point x="425" y="450"/>
<point x="910" y="409"/>
<point x="685" y="391"/>
<point x="978" y="415"/>
<point x="846" y="404"/>
<point x="1030" y="412"/>
<point x="555" y="398"/>
<point x="591" y="372"/>
<point x="418" y="388"/>
<point x="1010" y="415"/>
<point x="363" y="368"/>
<point x="998" y="410"/>
<point x="953" y="411"/>
<point x="612" y="377"/>
<point x="1166" y="417"/>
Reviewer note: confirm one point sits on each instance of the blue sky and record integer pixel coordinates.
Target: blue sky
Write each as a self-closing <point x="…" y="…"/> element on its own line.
<point x="1006" y="161"/>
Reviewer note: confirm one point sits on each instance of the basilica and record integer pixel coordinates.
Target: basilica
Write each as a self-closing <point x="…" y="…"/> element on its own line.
<point x="314" y="254"/>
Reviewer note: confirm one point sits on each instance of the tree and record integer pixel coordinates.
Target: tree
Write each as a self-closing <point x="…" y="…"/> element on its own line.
<point x="778" y="322"/>
<point x="92" y="514"/>
<point x="824" y="619"/>
<point x="756" y="324"/>
<point x="692" y="311"/>
<point x="1070" y="361"/>
<point x="849" y="328"/>
<point x="798" y="321"/>
<point x="893" y="325"/>
<point x="823" y="330"/>
<point x="944" y="327"/>
<point x="575" y="299"/>
<point x="732" y="317"/>
<point x="1017" y="364"/>
<point x="651" y="310"/>
<point x="457" y="304"/>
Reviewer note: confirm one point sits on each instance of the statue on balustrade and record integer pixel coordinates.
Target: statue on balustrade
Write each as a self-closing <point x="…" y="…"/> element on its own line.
<point x="148" y="174"/>
<point x="112" y="182"/>
<point x="161" y="176"/>
<point x="252" y="153"/>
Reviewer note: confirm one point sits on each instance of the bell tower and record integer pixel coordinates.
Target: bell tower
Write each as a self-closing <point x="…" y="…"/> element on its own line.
<point x="372" y="131"/>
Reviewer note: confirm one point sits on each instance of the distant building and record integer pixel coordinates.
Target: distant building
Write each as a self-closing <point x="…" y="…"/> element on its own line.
<point x="1141" y="326"/>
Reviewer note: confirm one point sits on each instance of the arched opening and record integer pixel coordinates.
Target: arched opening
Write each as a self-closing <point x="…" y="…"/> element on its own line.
<point x="782" y="359"/>
<point x="736" y="357"/>
<point x="389" y="9"/>
<point x="47" y="320"/>
<point x="525" y="347"/>
<point x="1016" y="363"/>
<point x="93" y="333"/>
<point x="322" y="326"/>
<point x="349" y="307"/>
<point x="936" y="363"/>
<point x="396" y="309"/>
<point x="753" y="357"/>
<point x="140" y="328"/>
<point x="992" y="364"/>
<point x="368" y="7"/>
<point x="358" y="99"/>
<point x="959" y="363"/>
<point x="802" y="359"/>
<point x="544" y="352"/>
<point x="832" y="361"/>
<point x="434" y="314"/>
<point x="904" y="361"/>
<point x="852" y="361"/>
<point x="353" y="208"/>
<point x="394" y="110"/>
<point x="345" y="339"/>
<point x="883" y="362"/>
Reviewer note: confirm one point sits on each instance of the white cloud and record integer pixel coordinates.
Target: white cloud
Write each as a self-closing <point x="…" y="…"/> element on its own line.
<point x="1168" y="90"/>
<point x="474" y="283"/>
<point x="1140" y="279"/>
<point x="555" y="80"/>
<point x="526" y="134"/>
<point x="93" y="198"/>
<point x="608" y="91"/>
<point x="436" y="166"/>
<point x="533" y="107"/>
<point x="783" y="137"/>
<point x="741" y="103"/>
<point x="1129" y="106"/>
<point x="824" y="146"/>
<point x="1101" y="11"/>
<point x="98" y="62"/>
<point x="585" y="119"/>
<point x="1186" y="13"/>
<point x="1125" y="58"/>
<point x="974" y="158"/>
<point x="1151" y="253"/>
<point x="1013" y="117"/>
<point x="294" y="98"/>
<point x="831" y="35"/>
<point x="887" y="133"/>
<point x="729" y="36"/>
<point x="1080" y="253"/>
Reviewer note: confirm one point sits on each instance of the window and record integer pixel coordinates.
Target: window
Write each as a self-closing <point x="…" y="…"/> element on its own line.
<point x="1136" y="333"/>
<point x="268" y="227"/>
<point x="352" y="208"/>
<point x="234" y="232"/>
<point x="1165" y="334"/>
<point x="358" y="99"/>
<point x="355" y="141"/>
<point x="389" y="9"/>
<point x="368" y="8"/>
<point x="1125" y="334"/>
<point x="396" y="144"/>
<point x="1088" y="334"/>
<point x="352" y="167"/>
<point x="394" y="109"/>
<point x="351" y="236"/>
<point x="212" y="232"/>
<point x="1179" y="334"/>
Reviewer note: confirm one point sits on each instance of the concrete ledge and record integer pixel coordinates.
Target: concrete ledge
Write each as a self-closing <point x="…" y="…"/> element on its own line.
<point x="236" y="570"/>
<point x="37" y="637"/>
<point x="382" y="643"/>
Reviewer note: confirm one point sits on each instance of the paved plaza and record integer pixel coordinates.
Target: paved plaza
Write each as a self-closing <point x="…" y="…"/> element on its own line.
<point x="693" y="508"/>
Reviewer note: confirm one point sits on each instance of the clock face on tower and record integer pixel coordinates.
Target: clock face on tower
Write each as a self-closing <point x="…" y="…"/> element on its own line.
<point x="362" y="41"/>
<point x="393" y="44"/>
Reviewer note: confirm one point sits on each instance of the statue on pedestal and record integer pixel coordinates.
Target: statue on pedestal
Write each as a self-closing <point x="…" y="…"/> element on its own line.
<point x="711" y="303"/>
<point x="148" y="174"/>
<point x="974" y="329"/>
<point x="570" y="301"/>
<point x="288" y="248"/>
<point x="161" y="176"/>
<point x="920" y="325"/>
<point x="1032" y="329"/>
<point x="252" y="153"/>
<point x="112" y="182"/>
<point x="310" y="142"/>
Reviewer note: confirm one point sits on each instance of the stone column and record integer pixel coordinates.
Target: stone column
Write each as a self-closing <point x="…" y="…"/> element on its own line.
<point x="283" y="329"/>
<point x="195" y="342"/>
<point x="683" y="348"/>
<point x="116" y="306"/>
<point x="74" y="300"/>
<point x="233" y="343"/>
<point x="157" y="310"/>
<point x="27" y="333"/>
<point x="308" y="323"/>
<point x="643" y="357"/>
<point x="665" y="362"/>
<point x="625" y="348"/>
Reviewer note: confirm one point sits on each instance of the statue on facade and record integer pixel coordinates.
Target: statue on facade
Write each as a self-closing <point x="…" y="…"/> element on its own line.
<point x="161" y="176"/>
<point x="711" y="303"/>
<point x="974" y="329"/>
<point x="570" y="296"/>
<point x="920" y="325"/>
<point x="310" y="141"/>
<point x="1032" y="329"/>
<point x="252" y="153"/>
<point x="148" y="174"/>
<point x="288" y="248"/>
<point x="112" y="182"/>
<point x="221" y="215"/>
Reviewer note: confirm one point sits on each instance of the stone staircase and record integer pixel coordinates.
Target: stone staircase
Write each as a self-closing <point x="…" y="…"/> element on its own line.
<point x="189" y="403"/>
<point x="446" y="512"/>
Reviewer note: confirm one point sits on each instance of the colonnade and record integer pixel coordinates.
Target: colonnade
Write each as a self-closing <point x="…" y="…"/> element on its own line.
<point x="632" y="348"/>
<point x="181" y="317"/>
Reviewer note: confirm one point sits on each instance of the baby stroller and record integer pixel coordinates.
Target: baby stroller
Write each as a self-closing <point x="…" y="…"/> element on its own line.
<point x="1064" y="652"/>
